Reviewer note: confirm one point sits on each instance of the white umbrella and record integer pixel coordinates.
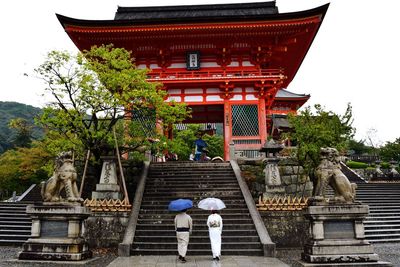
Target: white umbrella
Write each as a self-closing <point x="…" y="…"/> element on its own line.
<point x="211" y="203"/>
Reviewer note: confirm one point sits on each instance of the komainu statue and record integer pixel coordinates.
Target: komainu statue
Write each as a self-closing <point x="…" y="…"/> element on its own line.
<point x="64" y="177"/>
<point x="327" y="173"/>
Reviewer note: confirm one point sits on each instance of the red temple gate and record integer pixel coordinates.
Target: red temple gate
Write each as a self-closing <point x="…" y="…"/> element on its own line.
<point x="228" y="62"/>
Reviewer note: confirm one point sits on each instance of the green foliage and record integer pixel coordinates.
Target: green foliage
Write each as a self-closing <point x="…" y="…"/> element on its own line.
<point x="14" y="110"/>
<point x="359" y="147"/>
<point x="23" y="137"/>
<point x="91" y="92"/>
<point x="391" y="151"/>
<point x="215" y="145"/>
<point x="183" y="142"/>
<point x="356" y="165"/>
<point x="320" y="129"/>
<point x="385" y="165"/>
<point x="22" y="167"/>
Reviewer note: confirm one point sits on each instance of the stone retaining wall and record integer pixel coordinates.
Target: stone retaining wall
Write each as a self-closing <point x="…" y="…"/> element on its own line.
<point x="286" y="228"/>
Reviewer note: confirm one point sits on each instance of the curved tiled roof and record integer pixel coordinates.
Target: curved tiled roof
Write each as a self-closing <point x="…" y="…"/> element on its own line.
<point x="283" y="93"/>
<point x="196" y="11"/>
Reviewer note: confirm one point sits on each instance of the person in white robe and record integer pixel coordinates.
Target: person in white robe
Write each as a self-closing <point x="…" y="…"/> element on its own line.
<point x="214" y="223"/>
<point x="183" y="228"/>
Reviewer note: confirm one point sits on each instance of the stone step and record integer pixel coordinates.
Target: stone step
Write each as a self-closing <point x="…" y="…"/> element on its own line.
<point x="194" y="211"/>
<point x="14" y="204"/>
<point x="383" y="210"/>
<point x="165" y="200"/>
<point x="194" y="195"/>
<point x="227" y="240"/>
<point x="13" y="208"/>
<point x="14" y="236"/>
<point x="383" y="215"/>
<point x="191" y="190"/>
<point x="15" y="231"/>
<point x="21" y="218"/>
<point x="192" y="245"/>
<point x="376" y="221"/>
<point x="388" y="231"/>
<point x="383" y="240"/>
<point x="382" y="236"/>
<point x="195" y="221"/>
<point x="192" y="178"/>
<point x="381" y="226"/>
<point x="26" y="226"/>
<point x="156" y="216"/>
<point x="197" y="231"/>
<point x="13" y="214"/>
<point x="23" y="222"/>
<point x="12" y="242"/>
<point x="206" y="251"/>
<point x="196" y="226"/>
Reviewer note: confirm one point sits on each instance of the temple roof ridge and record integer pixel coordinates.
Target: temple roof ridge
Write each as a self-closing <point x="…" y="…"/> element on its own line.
<point x="284" y="93"/>
<point x="196" y="11"/>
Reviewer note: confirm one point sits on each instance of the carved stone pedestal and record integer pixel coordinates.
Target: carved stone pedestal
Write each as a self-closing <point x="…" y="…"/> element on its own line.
<point x="337" y="237"/>
<point x="273" y="182"/>
<point x="57" y="233"/>
<point x="108" y="187"/>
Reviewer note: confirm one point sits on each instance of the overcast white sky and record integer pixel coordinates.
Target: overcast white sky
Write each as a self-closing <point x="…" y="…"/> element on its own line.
<point x="354" y="58"/>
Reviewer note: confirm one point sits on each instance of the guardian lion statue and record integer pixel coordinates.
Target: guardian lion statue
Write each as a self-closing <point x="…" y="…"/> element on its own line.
<point x="327" y="173"/>
<point x="64" y="177"/>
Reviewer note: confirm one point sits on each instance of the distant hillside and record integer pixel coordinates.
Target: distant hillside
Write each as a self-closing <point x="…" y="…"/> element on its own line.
<point x="12" y="110"/>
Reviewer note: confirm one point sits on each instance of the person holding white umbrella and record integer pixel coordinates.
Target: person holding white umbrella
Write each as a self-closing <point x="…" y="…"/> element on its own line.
<point x="214" y="223"/>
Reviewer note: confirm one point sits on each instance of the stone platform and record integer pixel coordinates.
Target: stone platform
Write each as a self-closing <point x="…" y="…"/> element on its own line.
<point x="337" y="237"/>
<point x="56" y="233"/>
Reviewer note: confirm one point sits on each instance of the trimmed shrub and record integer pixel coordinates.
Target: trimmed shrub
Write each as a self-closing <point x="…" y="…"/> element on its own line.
<point x="356" y="164"/>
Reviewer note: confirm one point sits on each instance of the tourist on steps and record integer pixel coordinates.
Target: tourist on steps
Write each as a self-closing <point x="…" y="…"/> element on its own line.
<point x="214" y="223"/>
<point x="183" y="228"/>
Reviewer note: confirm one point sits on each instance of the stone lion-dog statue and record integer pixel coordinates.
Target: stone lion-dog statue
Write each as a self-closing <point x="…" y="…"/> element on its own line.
<point x="64" y="177"/>
<point x="327" y="173"/>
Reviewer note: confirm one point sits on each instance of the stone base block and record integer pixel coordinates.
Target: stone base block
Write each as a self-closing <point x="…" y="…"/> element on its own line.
<point x="106" y="195"/>
<point x="107" y="187"/>
<point x="56" y="233"/>
<point x="338" y="237"/>
<point x="302" y="263"/>
<point x="329" y="258"/>
<point x="54" y="256"/>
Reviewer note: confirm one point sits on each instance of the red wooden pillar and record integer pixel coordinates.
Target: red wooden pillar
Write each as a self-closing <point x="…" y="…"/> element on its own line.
<point x="262" y="120"/>
<point x="227" y="128"/>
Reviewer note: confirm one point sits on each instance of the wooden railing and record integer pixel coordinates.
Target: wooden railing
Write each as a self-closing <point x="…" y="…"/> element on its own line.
<point x="215" y="74"/>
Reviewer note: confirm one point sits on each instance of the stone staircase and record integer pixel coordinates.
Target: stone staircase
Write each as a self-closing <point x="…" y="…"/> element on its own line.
<point x="15" y="224"/>
<point x="383" y="221"/>
<point x="155" y="233"/>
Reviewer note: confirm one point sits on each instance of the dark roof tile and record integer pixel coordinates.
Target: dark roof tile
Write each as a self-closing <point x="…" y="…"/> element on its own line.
<point x="196" y="12"/>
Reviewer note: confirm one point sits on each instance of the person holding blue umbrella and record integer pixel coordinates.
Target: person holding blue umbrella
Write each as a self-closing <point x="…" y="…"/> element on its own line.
<point x="183" y="225"/>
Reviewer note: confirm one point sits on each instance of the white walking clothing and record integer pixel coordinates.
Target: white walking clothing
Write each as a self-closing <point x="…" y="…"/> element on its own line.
<point x="183" y="228"/>
<point x="183" y="241"/>
<point x="214" y="223"/>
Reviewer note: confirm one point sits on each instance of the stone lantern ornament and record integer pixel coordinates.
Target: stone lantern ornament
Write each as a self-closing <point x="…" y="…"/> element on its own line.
<point x="273" y="182"/>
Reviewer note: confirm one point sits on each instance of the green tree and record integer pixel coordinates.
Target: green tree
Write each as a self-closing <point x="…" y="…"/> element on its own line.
<point x="359" y="147"/>
<point x="23" y="137"/>
<point x="311" y="131"/>
<point x="95" y="89"/>
<point x="391" y="151"/>
<point x="183" y="142"/>
<point x="23" y="166"/>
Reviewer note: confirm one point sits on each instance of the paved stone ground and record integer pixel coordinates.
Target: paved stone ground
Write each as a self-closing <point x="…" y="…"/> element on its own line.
<point x="102" y="258"/>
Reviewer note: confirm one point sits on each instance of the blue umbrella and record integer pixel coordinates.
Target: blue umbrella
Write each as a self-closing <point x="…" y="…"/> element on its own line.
<point x="180" y="204"/>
